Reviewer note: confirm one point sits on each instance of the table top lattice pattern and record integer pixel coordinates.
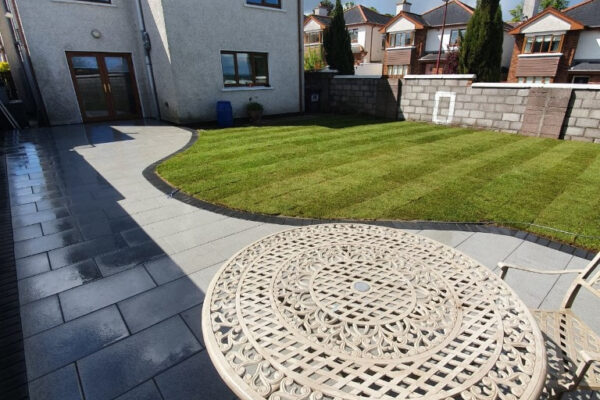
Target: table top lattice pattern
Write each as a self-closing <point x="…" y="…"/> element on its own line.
<point x="366" y="312"/>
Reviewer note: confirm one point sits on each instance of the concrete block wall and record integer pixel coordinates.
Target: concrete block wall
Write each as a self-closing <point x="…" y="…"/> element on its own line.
<point x="582" y="121"/>
<point x="479" y="107"/>
<point x="365" y="95"/>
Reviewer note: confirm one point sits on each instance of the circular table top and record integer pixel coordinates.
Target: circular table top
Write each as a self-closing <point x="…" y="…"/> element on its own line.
<point x="350" y="311"/>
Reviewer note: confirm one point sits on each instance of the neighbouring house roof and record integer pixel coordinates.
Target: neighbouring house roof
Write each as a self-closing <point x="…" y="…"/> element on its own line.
<point x="587" y="12"/>
<point x="458" y="13"/>
<point x="363" y="15"/>
<point x="322" y="21"/>
<point x="575" y="24"/>
<point x="586" y="67"/>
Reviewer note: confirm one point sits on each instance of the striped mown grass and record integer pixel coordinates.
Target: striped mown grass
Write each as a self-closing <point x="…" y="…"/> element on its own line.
<point x="356" y="167"/>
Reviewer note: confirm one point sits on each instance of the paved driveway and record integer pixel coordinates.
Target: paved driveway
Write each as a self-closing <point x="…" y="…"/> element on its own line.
<point x="112" y="272"/>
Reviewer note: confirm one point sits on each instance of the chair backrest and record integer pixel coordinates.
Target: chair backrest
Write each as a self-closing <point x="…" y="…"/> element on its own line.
<point x="589" y="279"/>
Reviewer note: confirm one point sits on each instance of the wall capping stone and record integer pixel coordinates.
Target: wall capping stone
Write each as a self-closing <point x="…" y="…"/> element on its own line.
<point x="583" y="86"/>
<point x="442" y="76"/>
<point x="357" y="77"/>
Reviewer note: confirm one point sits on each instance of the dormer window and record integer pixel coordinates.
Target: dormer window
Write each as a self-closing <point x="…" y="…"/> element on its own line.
<point x="265" y="3"/>
<point x="542" y="44"/>
<point x="313" y="38"/>
<point x="401" y="39"/>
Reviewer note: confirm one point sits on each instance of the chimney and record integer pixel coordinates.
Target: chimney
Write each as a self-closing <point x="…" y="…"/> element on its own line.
<point x="321" y="10"/>
<point x="402" y="5"/>
<point x="530" y="8"/>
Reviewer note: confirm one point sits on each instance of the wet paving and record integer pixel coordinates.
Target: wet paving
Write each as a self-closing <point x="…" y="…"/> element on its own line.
<point x="112" y="272"/>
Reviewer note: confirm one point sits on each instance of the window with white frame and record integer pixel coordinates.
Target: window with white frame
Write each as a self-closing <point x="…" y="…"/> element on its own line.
<point x="353" y="35"/>
<point x="534" y="79"/>
<point x="397" y="70"/>
<point x="401" y="39"/>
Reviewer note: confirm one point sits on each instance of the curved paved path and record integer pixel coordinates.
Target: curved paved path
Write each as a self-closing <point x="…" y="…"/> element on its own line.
<point x="112" y="272"/>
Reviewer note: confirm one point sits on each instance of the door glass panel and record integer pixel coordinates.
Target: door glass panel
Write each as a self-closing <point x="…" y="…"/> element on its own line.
<point x="121" y="85"/>
<point x="90" y="86"/>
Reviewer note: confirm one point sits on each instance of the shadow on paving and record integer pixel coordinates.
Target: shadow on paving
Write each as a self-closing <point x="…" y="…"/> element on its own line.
<point x="94" y="320"/>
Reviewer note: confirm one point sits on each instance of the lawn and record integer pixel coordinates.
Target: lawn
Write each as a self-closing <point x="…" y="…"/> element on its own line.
<point x="357" y="167"/>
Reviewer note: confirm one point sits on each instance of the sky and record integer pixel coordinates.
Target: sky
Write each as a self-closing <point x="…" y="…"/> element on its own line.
<point x="418" y="6"/>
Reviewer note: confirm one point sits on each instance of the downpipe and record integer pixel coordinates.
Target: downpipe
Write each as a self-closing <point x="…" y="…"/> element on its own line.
<point x="148" y="58"/>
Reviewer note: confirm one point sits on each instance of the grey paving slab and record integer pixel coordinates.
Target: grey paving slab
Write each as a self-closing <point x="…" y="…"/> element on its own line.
<point x="450" y="238"/>
<point x="122" y="259"/>
<point x="163" y="213"/>
<point x="101" y="293"/>
<point x="40" y="315"/>
<point x="53" y="282"/>
<point x="27" y="232"/>
<point x="160" y="303"/>
<point x="73" y="340"/>
<point x="488" y="248"/>
<point x="32" y="265"/>
<point x="135" y="236"/>
<point x="193" y="379"/>
<point x="61" y="384"/>
<point x="170" y="267"/>
<point x="182" y="223"/>
<point x="118" y="368"/>
<point x="23" y="209"/>
<point x="215" y="230"/>
<point x="145" y="391"/>
<point x="533" y="289"/>
<point x="46" y="243"/>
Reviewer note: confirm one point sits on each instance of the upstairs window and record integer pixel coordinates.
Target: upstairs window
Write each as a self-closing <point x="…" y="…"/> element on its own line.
<point x="400" y="39"/>
<point x="353" y="35"/>
<point x="245" y="69"/>
<point x="455" y="35"/>
<point x="313" y="38"/>
<point x="542" y="44"/>
<point x="383" y="41"/>
<point x="265" y="3"/>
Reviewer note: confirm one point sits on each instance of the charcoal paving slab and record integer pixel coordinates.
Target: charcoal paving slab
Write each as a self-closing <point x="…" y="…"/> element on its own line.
<point x="49" y="283"/>
<point x="193" y="379"/>
<point x="27" y="232"/>
<point x="101" y="293"/>
<point x="116" y="369"/>
<point x="61" y="384"/>
<point x="73" y="340"/>
<point x="145" y="391"/>
<point x="46" y="243"/>
<point x="41" y="315"/>
<point x="32" y="265"/>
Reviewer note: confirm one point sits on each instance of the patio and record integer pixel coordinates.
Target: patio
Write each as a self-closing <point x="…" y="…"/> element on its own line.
<point x="112" y="272"/>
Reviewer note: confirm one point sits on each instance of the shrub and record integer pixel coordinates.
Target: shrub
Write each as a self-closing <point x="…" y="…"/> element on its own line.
<point x="4" y="67"/>
<point x="254" y="106"/>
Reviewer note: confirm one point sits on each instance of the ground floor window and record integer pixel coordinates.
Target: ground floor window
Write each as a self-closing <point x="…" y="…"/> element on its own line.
<point x="245" y="69"/>
<point x="534" y="79"/>
<point x="397" y="70"/>
<point x="581" y="79"/>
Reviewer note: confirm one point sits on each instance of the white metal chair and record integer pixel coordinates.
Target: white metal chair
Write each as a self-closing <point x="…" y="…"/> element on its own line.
<point x="572" y="347"/>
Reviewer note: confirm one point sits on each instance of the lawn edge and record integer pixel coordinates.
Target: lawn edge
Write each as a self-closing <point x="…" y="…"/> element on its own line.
<point x="152" y="176"/>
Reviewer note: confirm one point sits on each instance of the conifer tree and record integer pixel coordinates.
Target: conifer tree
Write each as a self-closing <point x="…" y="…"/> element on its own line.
<point x="481" y="48"/>
<point x="336" y="41"/>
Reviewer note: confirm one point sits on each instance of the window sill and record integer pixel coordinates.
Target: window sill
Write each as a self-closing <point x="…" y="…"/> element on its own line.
<point x="265" y="8"/>
<point x="245" y="88"/>
<point x="400" y="48"/>
<point x="85" y="3"/>
<point x="534" y="55"/>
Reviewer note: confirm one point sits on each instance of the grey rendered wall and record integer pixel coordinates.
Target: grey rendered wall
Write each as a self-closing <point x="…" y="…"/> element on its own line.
<point x="197" y="31"/>
<point x="53" y="27"/>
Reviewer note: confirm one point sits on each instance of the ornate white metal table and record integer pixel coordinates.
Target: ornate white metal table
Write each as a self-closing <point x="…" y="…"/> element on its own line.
<point x="364" y="312"/>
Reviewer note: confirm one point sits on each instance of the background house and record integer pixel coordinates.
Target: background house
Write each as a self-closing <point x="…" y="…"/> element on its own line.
<point x="89" y="57"/>
<point x="413" y="40"/>
<point x="558" y="46"/>
<point x="363" y="24"/>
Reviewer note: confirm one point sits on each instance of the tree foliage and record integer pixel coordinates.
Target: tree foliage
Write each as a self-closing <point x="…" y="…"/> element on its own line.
<point x="558" y="4"/>
<point x="328" y="5"/>
<point x="313" y="60"/>
<point x="517" y="13"/>
<point x="348" y="5"/>
<point x="451" y="64"/>
<point x="481" y="48"/>
<point x="336" y="42"/>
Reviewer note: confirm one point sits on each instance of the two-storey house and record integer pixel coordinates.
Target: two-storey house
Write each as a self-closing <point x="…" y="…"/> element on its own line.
<point x="412" y="41"/>
<point x="558" y="46"/>
<point x="363" y="25"/>
<point x="98" y="60"/>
